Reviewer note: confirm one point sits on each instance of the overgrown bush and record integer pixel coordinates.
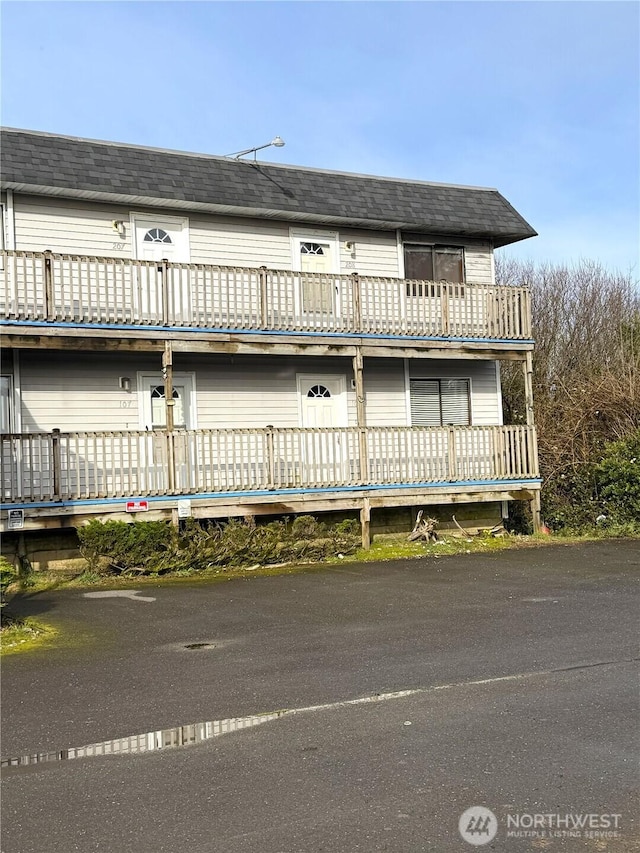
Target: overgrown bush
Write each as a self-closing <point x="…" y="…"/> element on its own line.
<point x="604" y="495"/>
<point x="124" y="545"/>
<point x="586" y="387"/>
<point x="8" y="574"/>
<point x="159" y="547"/>
<point x="617" y="481"/>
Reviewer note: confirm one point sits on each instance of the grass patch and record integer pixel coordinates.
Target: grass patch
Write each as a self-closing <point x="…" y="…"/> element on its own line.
<point x="397" y="547"/>
<point x="21" y="635"/>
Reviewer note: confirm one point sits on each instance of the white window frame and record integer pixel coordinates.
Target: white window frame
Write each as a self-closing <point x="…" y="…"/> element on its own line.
<point x="431" y="378"/>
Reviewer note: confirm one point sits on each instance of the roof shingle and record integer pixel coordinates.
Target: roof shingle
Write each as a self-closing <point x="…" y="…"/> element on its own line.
<point x="48" y="164"/>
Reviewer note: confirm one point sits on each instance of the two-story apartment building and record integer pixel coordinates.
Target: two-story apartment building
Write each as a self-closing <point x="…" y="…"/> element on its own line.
<point x="186" y="334"/>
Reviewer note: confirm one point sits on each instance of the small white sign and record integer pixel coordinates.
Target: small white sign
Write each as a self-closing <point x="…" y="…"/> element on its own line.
<point x="184" y="508"/>
<point x="16" y="519"/>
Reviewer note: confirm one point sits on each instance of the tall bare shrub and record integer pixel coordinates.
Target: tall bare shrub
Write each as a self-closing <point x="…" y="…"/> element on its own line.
<point x="586" y="324"/>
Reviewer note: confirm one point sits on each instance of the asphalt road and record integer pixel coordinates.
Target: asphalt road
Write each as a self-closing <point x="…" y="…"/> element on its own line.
<point x="517" y="675"/>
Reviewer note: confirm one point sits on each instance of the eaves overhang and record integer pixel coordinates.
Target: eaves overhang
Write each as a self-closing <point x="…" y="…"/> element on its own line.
<point x="376" y="224"/>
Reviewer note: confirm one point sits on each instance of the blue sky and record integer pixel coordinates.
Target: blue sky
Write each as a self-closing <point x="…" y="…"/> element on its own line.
<point x="538" y="99"/>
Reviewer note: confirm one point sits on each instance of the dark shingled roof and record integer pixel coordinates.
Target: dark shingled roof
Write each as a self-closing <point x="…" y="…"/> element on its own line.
<point x="47" y="164"/>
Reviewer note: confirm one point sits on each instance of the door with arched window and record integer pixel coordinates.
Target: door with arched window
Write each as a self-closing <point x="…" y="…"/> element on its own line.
<point x="316" y="255"/>
<point x="323" y="400"/>
<point x="153" y="461"/>
<point x="160" y="238"/>
<point x="153" y="398"/>
<point x="323" y="403"/>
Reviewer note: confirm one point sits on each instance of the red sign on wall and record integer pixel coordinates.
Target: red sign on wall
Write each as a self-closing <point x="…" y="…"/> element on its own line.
<point x="137" y="506"/>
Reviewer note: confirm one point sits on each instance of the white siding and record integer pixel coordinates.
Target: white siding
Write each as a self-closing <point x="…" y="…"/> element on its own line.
<point x="384" y="390"/>
<point x="373" y="253"/>
<point x="77" y="227"/>
<point x="240" y="242"/>
<point x="82" y="392"/>
<point x="70" y="227"/>
<point x="74" y="226"/>
<point x="478" y="266"/>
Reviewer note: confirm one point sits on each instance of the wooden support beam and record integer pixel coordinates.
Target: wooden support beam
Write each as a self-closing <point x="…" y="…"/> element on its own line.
<point x="536" y="512"/>
<point x="527" y="366"/>
<point x="365" y="522"/>
<point x="361" y="414"/>
<point x="167" y="375"/>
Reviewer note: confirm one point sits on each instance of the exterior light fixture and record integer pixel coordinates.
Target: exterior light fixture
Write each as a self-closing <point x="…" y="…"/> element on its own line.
<point x="125" y="383"/>
<point x="277" y="142"/>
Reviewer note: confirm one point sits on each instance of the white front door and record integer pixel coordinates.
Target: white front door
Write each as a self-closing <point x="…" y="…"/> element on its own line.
<point x="153" y="411"/>
<point x="158" y="238"/>
<point x="323" y="400"/>
<point x="316" y="255"/>
<point x="323" y="405"/>
<point x="153" y="417"/>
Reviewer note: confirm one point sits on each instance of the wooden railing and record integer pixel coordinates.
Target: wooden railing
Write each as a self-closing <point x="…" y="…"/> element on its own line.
<point x="42" y="286"/>
<point x="92" y="465"/>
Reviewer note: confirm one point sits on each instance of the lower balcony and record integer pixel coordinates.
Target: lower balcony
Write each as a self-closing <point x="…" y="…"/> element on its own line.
<point x="241" y="471"/>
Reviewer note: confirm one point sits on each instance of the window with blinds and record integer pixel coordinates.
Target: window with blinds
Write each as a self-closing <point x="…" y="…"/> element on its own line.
<point x="440" y="402"/>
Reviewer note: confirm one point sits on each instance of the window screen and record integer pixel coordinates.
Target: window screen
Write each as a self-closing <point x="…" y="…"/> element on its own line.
<point x="5" y="404"/>
<point x="439" y="402"/>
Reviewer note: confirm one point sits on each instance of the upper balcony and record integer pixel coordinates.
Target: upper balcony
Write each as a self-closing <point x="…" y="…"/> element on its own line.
<point x="43" y="289"/>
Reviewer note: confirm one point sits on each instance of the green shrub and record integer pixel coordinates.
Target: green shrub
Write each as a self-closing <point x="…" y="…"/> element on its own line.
<point x="617" y="478"/>
<point x="126" y="546"/>
<point x="603" y="495"/>
<point x="159" y="547"/>
<point x="8" y="574"/>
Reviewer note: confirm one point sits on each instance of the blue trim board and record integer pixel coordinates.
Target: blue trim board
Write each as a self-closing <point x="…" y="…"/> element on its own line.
<point x="267" y="493"/>
<point x="42" y="324"/>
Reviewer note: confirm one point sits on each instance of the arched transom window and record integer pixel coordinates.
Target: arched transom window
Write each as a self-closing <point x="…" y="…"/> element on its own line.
<point x="157" y="235"/>
<point x="311" y="249"/>
<point x="318" y="391"/>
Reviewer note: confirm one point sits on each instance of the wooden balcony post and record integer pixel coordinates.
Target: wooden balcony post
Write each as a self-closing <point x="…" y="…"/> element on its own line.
<point x="365" y="523"/>
<point x="357" y="301"/>
<point x="264" y="296"/>
<point x="48" y="286"/>
<point x="527" y="366"/>
<point x="271" y="466"/>
<point x="536" y="507"/>
<point x="163" y="268"/>
<point x="57" y="465"/>
<point x="444" y="306"/>
<point x="452" y="455"/>
<point x="169" y="403"/>
<point x="361" y="415"/>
